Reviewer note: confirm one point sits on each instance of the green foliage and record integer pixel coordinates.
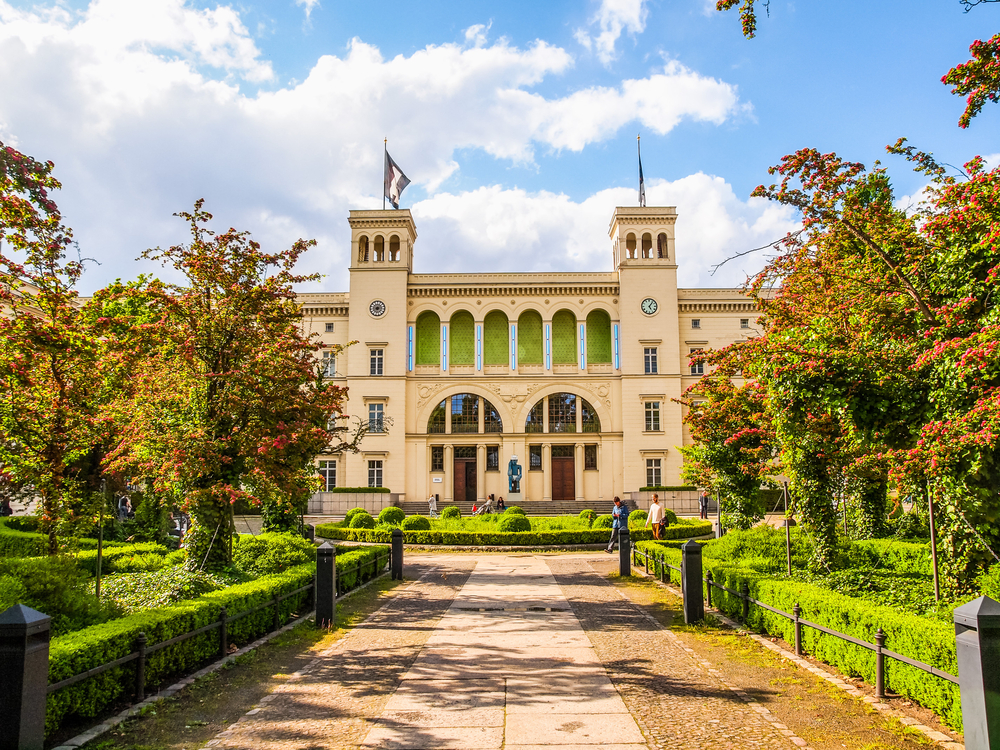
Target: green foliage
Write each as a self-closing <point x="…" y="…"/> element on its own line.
<point x="362" y="520"/>
<point x="989" y="582"/>
<point x="451" y="512"/>
<point x="590" y="515"/>
<point x="352" y="513"/>
<point x="605" y="521"/>
<point x="513" y="510"/>
<point x="21" y="523"/>
<point x="30" y="544"/>
<point x="637" y="519"/>
<point x="355" y="565"/>
<point x="912" y="526"/>
<point x="391" y="516"/>
<point x="416" y="523"/>
<point x="138" y="590"/>
<point x="669" y="488"/>
<point x="117" y="559"/>
<point x="57" y="587"/>
<point x="268" y="553"/>
<point x="669" y="516"/>
<point x="12" y="591"/>
<point x="513" y="522"/>
<point x="761" y="548"/>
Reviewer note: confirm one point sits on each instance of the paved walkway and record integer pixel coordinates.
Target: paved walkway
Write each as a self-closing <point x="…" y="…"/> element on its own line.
<point x="517" y="652"/>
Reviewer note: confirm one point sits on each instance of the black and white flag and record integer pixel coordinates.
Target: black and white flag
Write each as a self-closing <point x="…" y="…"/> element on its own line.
<point x="395" y="181"/>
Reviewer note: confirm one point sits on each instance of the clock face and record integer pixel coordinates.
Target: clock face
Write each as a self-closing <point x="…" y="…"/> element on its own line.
<point x="649" y="305"/>
<point x="377" y="308"/>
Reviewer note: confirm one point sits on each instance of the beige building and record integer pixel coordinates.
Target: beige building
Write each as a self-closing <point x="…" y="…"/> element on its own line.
<point x="575" y="374"/>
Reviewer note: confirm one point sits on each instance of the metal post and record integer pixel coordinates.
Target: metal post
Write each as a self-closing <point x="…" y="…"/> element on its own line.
<point x="24" y="677"/>
<point x="708" y="588"/>
<point x="796" y="616"/>
<point x="788" y="542"/>
<point x="745" y="595"/>
<point x="140" y="668"/>
<point x="276" y="622"/>
<point x="326" y="585"/>
<point x="934" y="563"/>
<point x="977" y="647"/>
<point x="718" y="513"/>
<point x="100" y="538"/>
<point x="624" y="549"/>
<point x="879" y="664"/>
<point x="694" y="603"/>
<point x="645" y="560"/>
<point x="223" y="633"/>
<point x="397" y="554"/>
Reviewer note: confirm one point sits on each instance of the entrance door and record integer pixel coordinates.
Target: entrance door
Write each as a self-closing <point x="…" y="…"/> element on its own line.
<point x="563" y="473"/>
<point x="465" y="474"/>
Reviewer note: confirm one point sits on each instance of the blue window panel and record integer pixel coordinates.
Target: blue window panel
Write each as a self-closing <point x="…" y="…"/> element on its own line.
<point x="548" y="346"/>
<point x="583" y="347"/>
<point x="409" y="349"/>
<point x="618" y="358"/>
<point x="513" y="346"/>
<point x="479" y="347"/>
<point x="444" y="348"/>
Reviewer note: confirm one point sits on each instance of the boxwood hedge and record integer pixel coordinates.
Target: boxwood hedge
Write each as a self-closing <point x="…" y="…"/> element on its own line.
<point x="15" y="543"/>
<point x="923" y="639"/>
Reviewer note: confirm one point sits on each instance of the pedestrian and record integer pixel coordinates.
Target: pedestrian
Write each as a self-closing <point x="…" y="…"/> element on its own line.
<point x="501" y="506"/>
<point x="5" y="509"/>
<point x="619" y="520"/>
<point x="703" y="505"/>
<point x="475" y="510"/>
<point x="655" y="516"/>
<point x="432" y="506"/>
<point x="124" y="508"/>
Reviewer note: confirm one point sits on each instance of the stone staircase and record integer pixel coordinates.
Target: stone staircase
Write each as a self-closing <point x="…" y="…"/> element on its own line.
<point x="530" y="508"/>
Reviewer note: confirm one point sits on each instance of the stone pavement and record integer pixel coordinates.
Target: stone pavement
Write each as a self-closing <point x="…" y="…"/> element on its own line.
<point x="504" y="651"/>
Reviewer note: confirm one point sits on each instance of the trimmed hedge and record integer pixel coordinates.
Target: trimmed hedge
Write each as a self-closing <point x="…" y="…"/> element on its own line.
<point x="923" y="639"/>
<point x="451" y="511"/>
<point x="359" y="490"/>
<point x="362" y="520"/>
<point x="416" y="523"/>
<point x="271" y="552"/>
<point x="683" y="530"/>
<point x="15" y="543"/>
<point x="114" y="558"/>
<point x="513" y="510"/>
<point x="391" y="516"/>
<point x="513" y="524"/>
<point x="604" y="521"/>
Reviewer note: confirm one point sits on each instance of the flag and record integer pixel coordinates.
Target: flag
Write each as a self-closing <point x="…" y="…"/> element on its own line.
<point x="642" y="185"/>
<point x="395" y="181"/>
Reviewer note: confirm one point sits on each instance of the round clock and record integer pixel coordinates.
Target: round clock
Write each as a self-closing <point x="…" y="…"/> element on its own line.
<point x="377" y="308"/>
<point x="649" y="306"/>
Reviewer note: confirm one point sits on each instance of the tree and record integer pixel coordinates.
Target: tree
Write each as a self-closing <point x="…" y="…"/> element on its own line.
<point x="227" y="401"/>
<point x="49" y="358"/>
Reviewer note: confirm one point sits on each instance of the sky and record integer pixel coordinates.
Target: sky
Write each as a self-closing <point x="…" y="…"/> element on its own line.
<point x="516" y="121"/>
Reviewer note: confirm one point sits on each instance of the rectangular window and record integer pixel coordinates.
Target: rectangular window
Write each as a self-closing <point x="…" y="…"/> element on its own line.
<point x="329" y="364"/>
<point x="696" y="322"/>
<point x="652" y="416"/>
<point x="376" y="412"/>
<point x="464" y="413"/>
<point x="697" y="368"/>
<point x="492" y="458"/>
<point x="744" y="322"/>
<point x="590" y="457"/>
<point x="374" y="473"/>
<point x="437" y="458"/>
<point x="534" y="458"/>
<point x="653" y="472"/>
<point x="377" y="356"/>
<point x="649" y="354"/>
<point x="329" y="327"/>
<point x="328" y="472"/>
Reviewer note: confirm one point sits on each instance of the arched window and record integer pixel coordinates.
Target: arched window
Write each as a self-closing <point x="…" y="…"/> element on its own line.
<point x="529" y="338"/>
<point x="630" y="245"/>
<point x="588" y="417"/>
<point x="495" y="328"/>
<point x="428" y="339"/>
<point x="534" y="421"/>
<point x="362" y="249"/>
<point x="491" y="418"/>
<point x="436" y="423"/>
<point x="599" y="337"/>
<point x="379" y="249"/>
<point x="661" y="245"/>
<point x="462" y="332"/>
<point x="562" y="412"/>
<point x="564" y="338"/>
<point x="464" y="413"/>
<point x="394" y="248"/>
<point x="647" y="245"/>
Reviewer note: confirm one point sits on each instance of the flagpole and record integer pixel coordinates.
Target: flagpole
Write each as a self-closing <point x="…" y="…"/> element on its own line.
<point x="638" y="150"/>
<point x="385" y="162"/>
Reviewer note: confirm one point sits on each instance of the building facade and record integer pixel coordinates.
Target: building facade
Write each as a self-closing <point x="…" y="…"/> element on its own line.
<point x="574" y="374"/>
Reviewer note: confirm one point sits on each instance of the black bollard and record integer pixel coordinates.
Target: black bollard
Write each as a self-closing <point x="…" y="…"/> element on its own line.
<point x="326" y="585"/>
<point x="694" y="600"/>
<point x="977" y="646"/>
<point x="624" y="552"/>
<point x="24" y="677"/>
<point x="397" y="555"/>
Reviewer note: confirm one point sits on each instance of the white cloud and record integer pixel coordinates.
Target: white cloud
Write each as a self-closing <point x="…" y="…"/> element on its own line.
<point x="143" y="112"/>
<point x="308" y="5"/>
<point x="613" y="17"/>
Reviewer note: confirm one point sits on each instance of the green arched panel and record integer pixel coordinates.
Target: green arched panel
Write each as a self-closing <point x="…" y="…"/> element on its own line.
<point x="428" y="343"/>
<point x="462" y="331"/>
<point x="599" y="337"/>
<point x="564" y="338"/>
<point x="495" y="338"/>
<point x="529" y="338"/>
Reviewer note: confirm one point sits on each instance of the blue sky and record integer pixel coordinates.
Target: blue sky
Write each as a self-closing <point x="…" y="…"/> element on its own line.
<point x="516" y="121"/>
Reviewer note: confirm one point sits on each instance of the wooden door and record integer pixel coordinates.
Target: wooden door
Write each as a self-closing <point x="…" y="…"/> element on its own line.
<point x="563" y="478"/>
<point x="465" y="479"/>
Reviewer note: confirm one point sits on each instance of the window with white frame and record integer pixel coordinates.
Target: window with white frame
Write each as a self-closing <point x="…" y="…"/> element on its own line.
<point x="696" y="322"/>
<point x="376" y="417"/>
<point x="329" y="364"/>
<point x="589" y="457"/>
<point x="377" y="355"/>
<point x="328" y="473"/>
<point x="437" y="458"/>
<point x="534" y="458"/>
<point x="649" y="355"/>
<point x="697" y="368"/>
<point x="744" y="322"/>
<point x="375" y="473"/>
<point x="652" y="472"/>
<point x="492" y="458"/>
<point x="329" y="327"/>
<point x="652" y="416"/>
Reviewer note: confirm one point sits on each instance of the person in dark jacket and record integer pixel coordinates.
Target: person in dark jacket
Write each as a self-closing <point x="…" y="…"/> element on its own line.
<point x="619" y="520"/>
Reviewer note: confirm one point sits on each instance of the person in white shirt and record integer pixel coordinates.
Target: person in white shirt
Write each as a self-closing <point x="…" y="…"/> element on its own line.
<point x="432" y="504"/>
<point x="655" y="516"/>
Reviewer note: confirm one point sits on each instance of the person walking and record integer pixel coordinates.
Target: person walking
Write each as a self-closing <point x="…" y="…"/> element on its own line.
<point x="432" y="506"/>
<point x="703" y="505"/>
<point x="655" y="515"/>
<point x="619" y="520"/>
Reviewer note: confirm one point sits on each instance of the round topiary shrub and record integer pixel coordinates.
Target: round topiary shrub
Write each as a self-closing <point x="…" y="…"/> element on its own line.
<point x="602" y="522"/>
<point x="351" y="514"/>
<point x="362" y="520"/>
<point x="669" y="516"/>
<point x="391" y="516"/>
<point x="590" y="515"/>
<point x="637" y="519"/>
<point x="513" y="511"/>
<point x="514" y="522"/>
<point x="451" y="512"/>
<point x="416" y="523"/>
